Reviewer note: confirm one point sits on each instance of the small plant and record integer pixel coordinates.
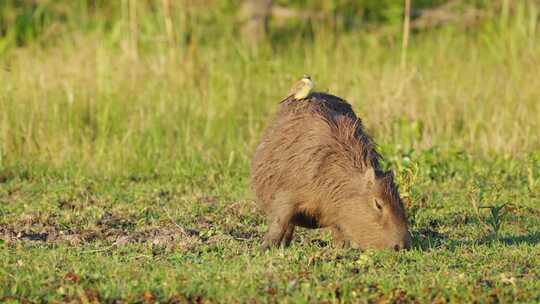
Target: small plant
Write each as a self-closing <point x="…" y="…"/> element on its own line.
<point x="495" y="221"/>
<point x="497" y="212"/>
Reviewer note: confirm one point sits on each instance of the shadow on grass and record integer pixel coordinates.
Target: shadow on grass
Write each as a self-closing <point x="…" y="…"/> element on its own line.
<point x="532" y="238"/>
<point x="427" y="239"/>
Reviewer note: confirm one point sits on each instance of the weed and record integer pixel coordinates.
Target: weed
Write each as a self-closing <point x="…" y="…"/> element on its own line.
<point x="496" y="217"/>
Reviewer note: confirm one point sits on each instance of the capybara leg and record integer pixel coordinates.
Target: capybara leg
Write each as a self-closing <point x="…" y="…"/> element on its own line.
<point x="279" y="220"/>
<point x="276" y="231"/>
<point x="287" y="238"/>
<point x="338" y="236"/>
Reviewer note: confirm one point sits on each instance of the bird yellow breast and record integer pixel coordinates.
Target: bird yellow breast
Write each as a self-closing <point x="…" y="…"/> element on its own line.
<point x="304" y="91"/>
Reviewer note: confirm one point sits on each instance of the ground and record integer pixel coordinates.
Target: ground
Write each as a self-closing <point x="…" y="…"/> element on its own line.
<point x="68" y="236"/>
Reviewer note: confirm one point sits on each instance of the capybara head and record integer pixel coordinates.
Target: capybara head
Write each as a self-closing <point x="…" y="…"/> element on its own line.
<point x="376" y="217"/>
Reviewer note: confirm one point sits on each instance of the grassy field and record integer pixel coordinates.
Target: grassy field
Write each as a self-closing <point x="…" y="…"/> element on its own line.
<point x="123" y="174"/>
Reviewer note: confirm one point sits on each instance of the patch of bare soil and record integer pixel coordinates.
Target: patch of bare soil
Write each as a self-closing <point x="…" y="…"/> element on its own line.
<point x="121" y="230"/>
<point x="167" y="236"/>
<point x="110" y="228"/>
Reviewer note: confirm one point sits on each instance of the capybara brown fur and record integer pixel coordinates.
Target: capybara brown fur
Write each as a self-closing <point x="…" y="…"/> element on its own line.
<point x="316" y="167"/>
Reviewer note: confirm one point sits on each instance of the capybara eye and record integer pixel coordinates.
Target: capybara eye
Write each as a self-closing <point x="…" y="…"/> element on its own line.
<point x="378" y="206"/>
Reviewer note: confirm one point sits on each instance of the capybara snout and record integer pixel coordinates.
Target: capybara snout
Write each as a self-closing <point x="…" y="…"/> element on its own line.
<point x="315" y="167"/>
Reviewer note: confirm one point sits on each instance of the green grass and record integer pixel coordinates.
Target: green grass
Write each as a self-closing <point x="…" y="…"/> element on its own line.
<point x="126" y="178"/>
<point x="71" y="236"/>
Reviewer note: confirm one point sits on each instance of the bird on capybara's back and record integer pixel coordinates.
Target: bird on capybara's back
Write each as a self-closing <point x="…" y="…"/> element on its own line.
<point x="315" y="167"/>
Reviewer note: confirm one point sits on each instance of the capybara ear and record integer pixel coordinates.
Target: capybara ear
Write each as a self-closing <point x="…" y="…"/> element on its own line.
<point x="369" y="176"/>
<point x="389" y="176"/>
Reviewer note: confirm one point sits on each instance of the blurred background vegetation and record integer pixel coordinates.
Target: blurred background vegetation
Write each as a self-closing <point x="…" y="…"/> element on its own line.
<point x="25" y="21"/>
<point x="114" y="85"/>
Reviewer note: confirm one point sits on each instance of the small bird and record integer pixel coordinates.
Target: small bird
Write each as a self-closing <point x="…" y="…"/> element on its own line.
<point x="300" y="89"/>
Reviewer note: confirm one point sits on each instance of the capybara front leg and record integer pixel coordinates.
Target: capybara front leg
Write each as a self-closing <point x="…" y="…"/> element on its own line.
<point x="339" y="238"/>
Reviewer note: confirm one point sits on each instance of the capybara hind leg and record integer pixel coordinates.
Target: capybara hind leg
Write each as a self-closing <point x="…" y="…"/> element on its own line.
<point x="276" y="232"/>
<point x="279" y="219"/>
<point x="339" y="238"/>
<point x="287" y="238"/>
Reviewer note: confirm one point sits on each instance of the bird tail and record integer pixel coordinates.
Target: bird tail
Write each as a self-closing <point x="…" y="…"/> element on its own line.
<point x="285" y="99"/>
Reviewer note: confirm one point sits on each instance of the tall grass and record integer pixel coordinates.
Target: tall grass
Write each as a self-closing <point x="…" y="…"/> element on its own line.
<point x="173" y="87"/>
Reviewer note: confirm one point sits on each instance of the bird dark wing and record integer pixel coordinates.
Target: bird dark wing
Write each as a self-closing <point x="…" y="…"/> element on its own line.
<point x="297" y="86"/>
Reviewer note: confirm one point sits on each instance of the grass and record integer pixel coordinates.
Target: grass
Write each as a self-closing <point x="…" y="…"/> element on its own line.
<point x="174" y="236"/>
<point x="126" y="178"/>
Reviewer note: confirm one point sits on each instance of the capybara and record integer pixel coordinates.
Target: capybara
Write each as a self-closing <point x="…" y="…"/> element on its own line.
<point x="316" y="167"/>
